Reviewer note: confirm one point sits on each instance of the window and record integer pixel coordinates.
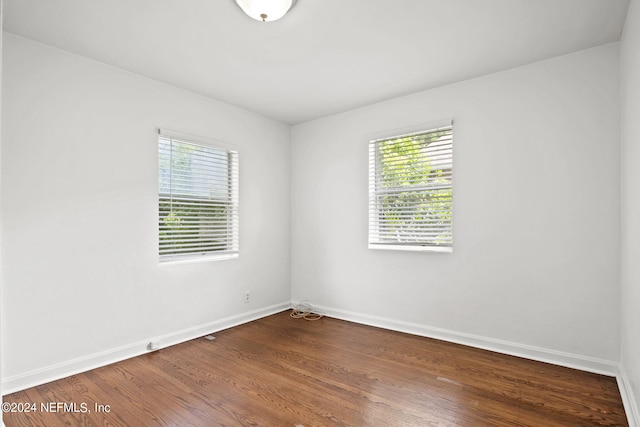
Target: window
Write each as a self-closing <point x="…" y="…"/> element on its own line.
<point x="410" y="191"/>
<point x="197" y="200"/>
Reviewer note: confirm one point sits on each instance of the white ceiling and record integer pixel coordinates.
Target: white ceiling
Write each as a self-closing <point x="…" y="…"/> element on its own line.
<point x="325" y="56"/>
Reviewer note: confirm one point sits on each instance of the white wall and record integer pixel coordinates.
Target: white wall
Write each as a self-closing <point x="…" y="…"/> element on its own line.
<point x="536" y="221"/>
<point x="537" y="218"/>
<point x="630" y="86"/>
<point x="79" y="183"/>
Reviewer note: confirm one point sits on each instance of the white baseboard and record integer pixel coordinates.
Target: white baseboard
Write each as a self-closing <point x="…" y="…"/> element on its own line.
<point x="575" y="361"/>
<point x="628" y="399"/>
<point x="93" y="361"/>
<point x="82" y="364"/>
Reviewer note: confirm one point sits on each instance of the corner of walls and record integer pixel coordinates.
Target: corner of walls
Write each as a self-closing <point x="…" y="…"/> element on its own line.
<point x="290" y="229"/>
<point x="628" y="400"/>
<point x="630" y="207"/>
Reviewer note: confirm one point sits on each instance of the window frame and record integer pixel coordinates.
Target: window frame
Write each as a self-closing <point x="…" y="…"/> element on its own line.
<point x="378" y="238"/>
<point x="205" y="150"/>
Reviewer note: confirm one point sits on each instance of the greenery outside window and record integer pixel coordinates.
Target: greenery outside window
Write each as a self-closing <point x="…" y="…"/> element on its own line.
<point x="411" y="191"/>
<point x="197" y="200"/>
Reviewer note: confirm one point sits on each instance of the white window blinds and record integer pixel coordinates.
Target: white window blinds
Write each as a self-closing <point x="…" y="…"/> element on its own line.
<point x="411" y="192"/>
<point x="198" y="200"/>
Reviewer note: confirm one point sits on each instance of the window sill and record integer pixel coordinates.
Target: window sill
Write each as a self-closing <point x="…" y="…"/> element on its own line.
<point x="409" y="248"/>
<point x="203" y="258"/>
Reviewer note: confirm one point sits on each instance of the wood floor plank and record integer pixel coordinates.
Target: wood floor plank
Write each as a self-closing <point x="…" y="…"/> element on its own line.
<point x="279" y="371"/>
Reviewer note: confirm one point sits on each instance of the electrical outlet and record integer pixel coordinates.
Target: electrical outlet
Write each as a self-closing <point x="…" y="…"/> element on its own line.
<point x="247" y="296"/>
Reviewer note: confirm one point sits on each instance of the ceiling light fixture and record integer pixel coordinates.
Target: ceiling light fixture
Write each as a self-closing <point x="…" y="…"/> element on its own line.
<point x="266" y="10"/>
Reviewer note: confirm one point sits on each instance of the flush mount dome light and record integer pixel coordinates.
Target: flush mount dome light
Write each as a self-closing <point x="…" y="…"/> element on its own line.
<point x="266" y="10"/>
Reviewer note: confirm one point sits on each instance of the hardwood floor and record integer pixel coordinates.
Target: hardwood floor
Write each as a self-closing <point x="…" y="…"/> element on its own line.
<point x="280" y="371"/>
